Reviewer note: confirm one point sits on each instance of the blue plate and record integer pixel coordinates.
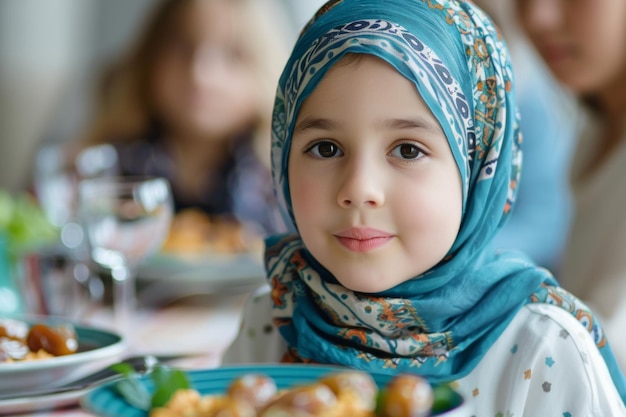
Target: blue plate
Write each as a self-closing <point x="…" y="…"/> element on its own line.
<point x="105" y="402"/>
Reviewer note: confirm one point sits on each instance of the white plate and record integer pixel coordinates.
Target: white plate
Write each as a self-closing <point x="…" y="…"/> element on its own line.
<point x="96" y="347"/>
<point x="40" y="403"/>
<point x="182" y="275"/>
<point x="219" y="269"/>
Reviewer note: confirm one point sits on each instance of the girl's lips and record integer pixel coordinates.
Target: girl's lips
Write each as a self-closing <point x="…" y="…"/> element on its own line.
<point x="556" y="55"/>
<point x="362" y="239"/>
<point x="366" y="245"/>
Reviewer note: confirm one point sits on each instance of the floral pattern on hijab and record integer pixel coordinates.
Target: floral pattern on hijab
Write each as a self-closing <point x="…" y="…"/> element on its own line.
<point x="439" y="324"/>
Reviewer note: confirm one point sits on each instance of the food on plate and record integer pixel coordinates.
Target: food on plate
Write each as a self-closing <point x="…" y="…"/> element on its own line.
<point x="21" y="341"/>
<point x="342" y="393"/>
<point x="193" y="231"/>
<point x="255" y="389"/>
<point x="407" y="395"/>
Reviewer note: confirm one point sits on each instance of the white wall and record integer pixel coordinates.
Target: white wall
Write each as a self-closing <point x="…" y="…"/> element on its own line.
<point x="36" y="58"/>
<point x="50" y="51"/>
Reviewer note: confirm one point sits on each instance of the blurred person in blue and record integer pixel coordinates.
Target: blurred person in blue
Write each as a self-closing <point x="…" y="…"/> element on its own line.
<point x="191" y="101"/>
<point x="583" y="43"/>
<point x="539" y="224"/>
<point x="396" y="158"/>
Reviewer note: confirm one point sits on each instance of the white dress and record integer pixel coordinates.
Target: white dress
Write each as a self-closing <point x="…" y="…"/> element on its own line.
<point x="594" y="264"/>
<point x="545" y="364"/>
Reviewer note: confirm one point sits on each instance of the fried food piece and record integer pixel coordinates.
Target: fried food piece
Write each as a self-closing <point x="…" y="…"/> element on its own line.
<point x="358" y="386"/>
<point x="189" y="403"/>
<point x="407" y="395"/>
<point x="256" y="389"/>
<point x="193" y="231"/>
<point x="19" y="341"/>
<point x="57" y="341"/>
<point x="303" y="401"/>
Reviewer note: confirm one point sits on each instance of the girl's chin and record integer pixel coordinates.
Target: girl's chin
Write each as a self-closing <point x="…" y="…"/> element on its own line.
<point x="367" y="285"/>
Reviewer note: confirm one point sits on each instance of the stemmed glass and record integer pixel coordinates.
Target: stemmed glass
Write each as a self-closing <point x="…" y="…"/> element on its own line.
<point x="126" y="220"/>
<point x="57" y="171"/>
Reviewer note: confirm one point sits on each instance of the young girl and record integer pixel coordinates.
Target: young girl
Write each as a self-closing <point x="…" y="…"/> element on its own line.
<point x="396" y="157"/>
<point x="191" y="101"/>
<point x="543" y="206"/>
<point x="583" y="43"/>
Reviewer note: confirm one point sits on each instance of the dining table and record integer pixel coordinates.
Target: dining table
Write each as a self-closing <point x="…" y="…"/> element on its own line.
<point x="196" y="330"/>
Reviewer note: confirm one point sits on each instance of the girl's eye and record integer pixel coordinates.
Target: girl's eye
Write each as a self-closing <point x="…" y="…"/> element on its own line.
<point x="407" y="151"/>
<point x="325" y="149"/>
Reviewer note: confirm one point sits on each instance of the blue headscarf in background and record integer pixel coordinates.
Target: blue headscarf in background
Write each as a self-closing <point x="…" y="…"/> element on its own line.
<point x="441" y="323"/>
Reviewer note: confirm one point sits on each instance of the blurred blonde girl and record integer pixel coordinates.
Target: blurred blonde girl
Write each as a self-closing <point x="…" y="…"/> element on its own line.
<point x="191" y="101"/>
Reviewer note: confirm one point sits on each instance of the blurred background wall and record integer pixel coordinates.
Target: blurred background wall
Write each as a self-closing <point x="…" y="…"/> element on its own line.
<point x="50" y="52"/>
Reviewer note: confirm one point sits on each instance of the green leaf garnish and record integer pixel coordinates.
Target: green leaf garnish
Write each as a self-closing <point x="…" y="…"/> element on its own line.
<point x="123" y="368"/>
<point x="166" y="382"/>
<point x="380" y="402"/>
<point x="444" y="398"/>
<point x="134" y="392"/>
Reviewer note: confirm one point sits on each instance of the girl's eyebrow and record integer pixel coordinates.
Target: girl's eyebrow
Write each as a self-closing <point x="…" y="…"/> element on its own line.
<point x="396" y="124"/>
<point x="407" y="124"/>
<point x="314" y="123"/>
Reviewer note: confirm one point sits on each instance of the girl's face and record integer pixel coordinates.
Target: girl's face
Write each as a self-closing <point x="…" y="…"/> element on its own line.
<point x="203" y="82"/>
<point x="583" y="42"/>
<point x="376" y="192"/>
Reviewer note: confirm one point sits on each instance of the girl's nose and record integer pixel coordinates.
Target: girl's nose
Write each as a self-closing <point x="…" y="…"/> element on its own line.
<point x="207" y="63"/>
<point x="361" y="185"/>
<point x="539" y="16"/>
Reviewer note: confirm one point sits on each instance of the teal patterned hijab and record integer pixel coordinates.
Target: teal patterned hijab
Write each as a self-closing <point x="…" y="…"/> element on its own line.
<point x="441" y="323"/>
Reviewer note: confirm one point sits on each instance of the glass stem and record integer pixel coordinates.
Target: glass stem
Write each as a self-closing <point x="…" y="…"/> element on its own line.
<point x="124" y="299"/>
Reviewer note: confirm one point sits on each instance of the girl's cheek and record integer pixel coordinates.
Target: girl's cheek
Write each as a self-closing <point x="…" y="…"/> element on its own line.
<point x="308" y="196"/>
<point x="303" y="200"/>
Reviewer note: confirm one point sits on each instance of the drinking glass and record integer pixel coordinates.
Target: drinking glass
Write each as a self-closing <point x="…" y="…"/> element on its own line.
<point x="57" y="172"/>
<point x="126" y="220"/>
